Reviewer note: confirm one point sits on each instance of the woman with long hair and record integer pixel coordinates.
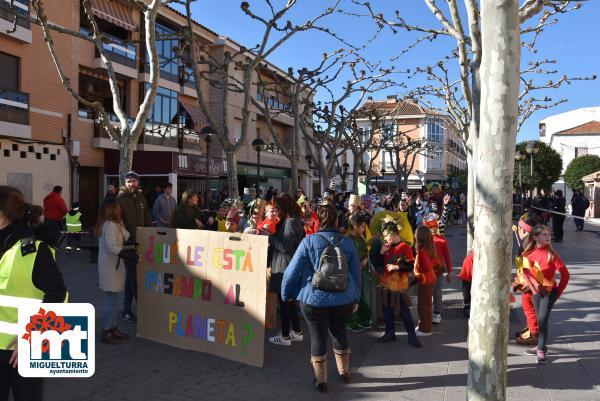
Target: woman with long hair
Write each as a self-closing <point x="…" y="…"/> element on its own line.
<point x="542" y="257"/>
<point x="326" y="312"/>
<point x="112" y="236"/>
<point x="289" y="233"/>
<point x="426" y="277"/>
<point x="188" y="215"/>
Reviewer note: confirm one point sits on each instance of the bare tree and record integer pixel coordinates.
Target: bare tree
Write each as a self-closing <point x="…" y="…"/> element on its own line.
<point x="127" y="133"/>
<point x="299" y="88"/>
<point x="484" y="101"/>
<point x="462" y="94"/>
<point x="325" y="128"/>
<point x="222" y="74"/>
<point x="494" y="159"/>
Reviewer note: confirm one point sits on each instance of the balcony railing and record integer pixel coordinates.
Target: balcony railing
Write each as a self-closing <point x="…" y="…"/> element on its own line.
<point x="14" y="106"/>
<point x="274" y="103"/>
<point x="117" y="50"/>
<point x="19" y="7"/>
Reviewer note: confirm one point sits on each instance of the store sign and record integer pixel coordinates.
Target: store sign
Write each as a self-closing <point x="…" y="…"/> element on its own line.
<point x="264" y="171"/>
<point x="189" y="164"/>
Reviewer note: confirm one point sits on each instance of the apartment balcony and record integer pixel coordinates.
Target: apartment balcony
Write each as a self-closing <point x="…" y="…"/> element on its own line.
<point x="283" y="110"/>
<point x="123" y="56"/>
<point x="14" y="113"/>
<point x="7" y="14"/>
<point x="155" y="137"/>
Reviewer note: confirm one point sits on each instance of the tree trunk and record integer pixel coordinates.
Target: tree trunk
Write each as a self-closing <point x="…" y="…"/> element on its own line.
<point x="294" y="179"/>
<point x="125" y="157"/>
<point x="470" y="199"/>
<point x="494" y="159"/>
<point x="355" y="170"/>
<point x="232" y="180"/>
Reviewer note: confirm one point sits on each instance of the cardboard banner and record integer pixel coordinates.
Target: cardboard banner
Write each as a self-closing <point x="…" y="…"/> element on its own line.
<point x="203" y="291"/>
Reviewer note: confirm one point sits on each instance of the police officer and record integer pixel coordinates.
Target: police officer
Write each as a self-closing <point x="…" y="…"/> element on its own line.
<point x="29" y="273"/>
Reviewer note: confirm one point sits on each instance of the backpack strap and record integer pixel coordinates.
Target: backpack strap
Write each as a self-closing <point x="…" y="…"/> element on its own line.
<point x="331" y="241"/>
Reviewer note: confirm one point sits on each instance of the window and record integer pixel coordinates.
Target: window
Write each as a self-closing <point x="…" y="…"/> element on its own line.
<point x="165" y="107"/>
<point x="581" y="151"/>
<point x="167" y="39"/>
<point x="9" y="65"/>
<point x="436" y="128"/>
<point x="365" y="134"/>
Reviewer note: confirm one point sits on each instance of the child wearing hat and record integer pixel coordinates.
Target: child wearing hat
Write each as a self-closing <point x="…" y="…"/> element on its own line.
<point x="393" y="260"/>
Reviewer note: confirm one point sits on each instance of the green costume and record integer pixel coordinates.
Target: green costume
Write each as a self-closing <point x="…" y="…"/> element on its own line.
<point x="361" y="319"/>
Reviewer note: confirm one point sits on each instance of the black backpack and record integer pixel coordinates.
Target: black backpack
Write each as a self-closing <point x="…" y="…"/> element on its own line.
<point x="332" y="272"/>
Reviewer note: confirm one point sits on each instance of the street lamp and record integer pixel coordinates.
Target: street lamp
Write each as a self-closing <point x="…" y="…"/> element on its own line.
<point x="382" y="172"/>
<point x="345" y="168"/>
<point x="532" y="148"/>
<point x="258" y="145"/>
<point x="207" y="133"/>
<point x="520" y="156"/>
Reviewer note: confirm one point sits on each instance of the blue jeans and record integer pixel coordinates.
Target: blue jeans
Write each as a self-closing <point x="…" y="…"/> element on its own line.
<point x="388" y="318"/>
<point x="109" y="317"/>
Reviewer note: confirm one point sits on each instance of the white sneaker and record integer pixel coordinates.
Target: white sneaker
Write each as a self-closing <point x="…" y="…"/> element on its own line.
<point x="421" y="334"/>
<point x="296" y="335"/>
<point x="280" y="340"/>
<point x="436" y="318"/>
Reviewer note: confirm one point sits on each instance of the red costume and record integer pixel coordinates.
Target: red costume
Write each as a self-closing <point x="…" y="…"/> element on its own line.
<point x="443" y="253"/>
<point x="466" y="273"/>
<point x="539" y="256"/>
<point x="396" y="281"/>
<point x="424" y="268"/>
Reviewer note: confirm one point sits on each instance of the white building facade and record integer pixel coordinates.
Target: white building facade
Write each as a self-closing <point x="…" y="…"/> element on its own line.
<point x="572" y="134"/>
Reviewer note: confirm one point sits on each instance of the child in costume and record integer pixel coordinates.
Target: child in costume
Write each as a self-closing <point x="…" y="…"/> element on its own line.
<point x="361" y="319"/>
<point x="529" y="334"/>
<point x="425" y="274"/>
<point x="541" y="262"/>
<point x="466" y="275"/>
<point x="393" y="260"/>
<point x="441" y="264"/>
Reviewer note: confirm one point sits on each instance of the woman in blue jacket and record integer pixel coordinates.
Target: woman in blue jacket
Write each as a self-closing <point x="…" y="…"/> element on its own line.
<point x="325" y="312"/>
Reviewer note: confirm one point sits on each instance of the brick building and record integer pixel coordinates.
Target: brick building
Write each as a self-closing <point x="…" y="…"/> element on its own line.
<point x="407" y="119"/>
<point x="47" y="138"/>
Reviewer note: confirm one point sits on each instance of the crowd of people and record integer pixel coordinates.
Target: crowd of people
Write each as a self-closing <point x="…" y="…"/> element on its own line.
<point x="324" y="258"/>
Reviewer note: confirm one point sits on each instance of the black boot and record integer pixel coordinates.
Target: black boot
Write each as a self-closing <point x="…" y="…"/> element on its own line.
<point x="387" y="337"/>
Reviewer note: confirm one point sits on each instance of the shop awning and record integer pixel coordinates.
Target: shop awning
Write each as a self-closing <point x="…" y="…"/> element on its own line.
<point x="114" y="12"/>
<point x="195" y="112"/>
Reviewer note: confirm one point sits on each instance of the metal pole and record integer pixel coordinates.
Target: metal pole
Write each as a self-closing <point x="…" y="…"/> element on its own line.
<point x="520" y="177"/>
<point x="206" y="206"/>
<point x="531" y="174"/>
<point x="257" y="171"/>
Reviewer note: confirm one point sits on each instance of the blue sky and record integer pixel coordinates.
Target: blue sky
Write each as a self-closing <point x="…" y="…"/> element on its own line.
<point x="574" y="42"/>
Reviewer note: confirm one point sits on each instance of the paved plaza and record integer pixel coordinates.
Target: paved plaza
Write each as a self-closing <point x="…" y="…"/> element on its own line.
<point x="144" y="370"/>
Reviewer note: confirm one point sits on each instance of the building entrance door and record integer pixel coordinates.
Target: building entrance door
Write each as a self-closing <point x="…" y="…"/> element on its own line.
<point x="89" y="195"/>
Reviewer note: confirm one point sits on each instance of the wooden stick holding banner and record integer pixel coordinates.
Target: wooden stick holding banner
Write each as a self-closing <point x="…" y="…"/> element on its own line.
<point x="203" y="291"/>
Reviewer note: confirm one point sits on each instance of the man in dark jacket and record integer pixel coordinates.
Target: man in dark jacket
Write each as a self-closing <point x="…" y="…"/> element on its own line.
<point x="579" y="203"/>
<point x="134" y="210"/>
<point x="55" y="207"/>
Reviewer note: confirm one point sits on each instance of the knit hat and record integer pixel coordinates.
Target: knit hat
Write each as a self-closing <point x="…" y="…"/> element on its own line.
<point x="132" y="174"/>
